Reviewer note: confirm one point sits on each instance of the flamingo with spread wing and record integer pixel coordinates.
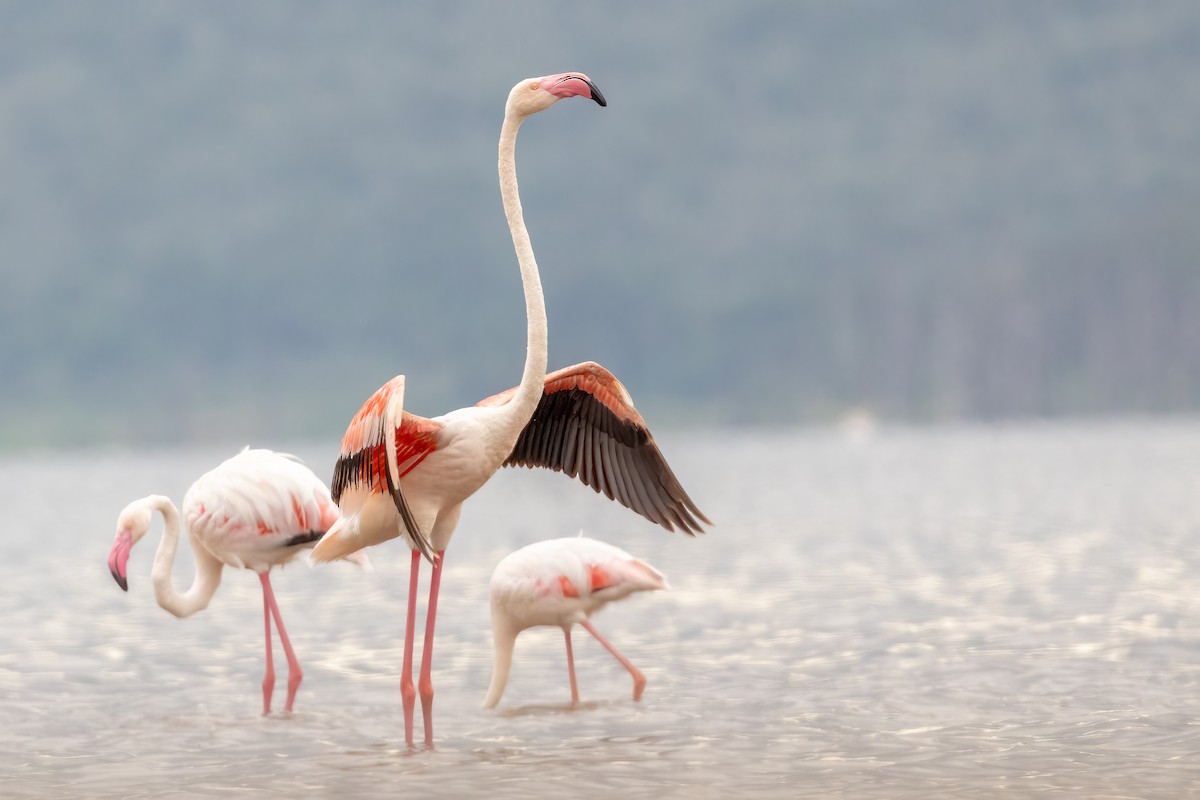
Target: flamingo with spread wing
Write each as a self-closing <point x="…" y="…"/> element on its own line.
<point x="402" y="475"/>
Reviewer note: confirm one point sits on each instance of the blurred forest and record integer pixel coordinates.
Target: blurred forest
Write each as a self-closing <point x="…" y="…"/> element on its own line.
<point x="234" y="221"/>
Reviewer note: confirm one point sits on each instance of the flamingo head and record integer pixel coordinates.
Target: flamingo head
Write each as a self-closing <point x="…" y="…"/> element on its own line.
<point x="537" y="94"/>
<point x="132" y="525"/>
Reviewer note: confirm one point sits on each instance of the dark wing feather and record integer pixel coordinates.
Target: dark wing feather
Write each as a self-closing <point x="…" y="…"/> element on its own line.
<point x="585" y="426"/>
<point x="367" y="459"/>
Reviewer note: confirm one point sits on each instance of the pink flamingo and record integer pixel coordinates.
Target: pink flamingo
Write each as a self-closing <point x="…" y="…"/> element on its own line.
<point x="404" y="475"/>
<point x="256" y="510"/>
<point x="562" y="582"/>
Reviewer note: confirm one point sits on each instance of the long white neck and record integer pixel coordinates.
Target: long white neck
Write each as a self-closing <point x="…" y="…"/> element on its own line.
<point x="505" y="638"/>
<point x="208" y="569"/>
<point x="521" y="407"/>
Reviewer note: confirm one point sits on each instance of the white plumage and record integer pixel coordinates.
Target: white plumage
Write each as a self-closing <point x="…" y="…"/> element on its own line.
<point x="410" y="478"/>
<point x="245" y="510"/>
<point x="257" y="510"/>
<point x="562" y="582"/>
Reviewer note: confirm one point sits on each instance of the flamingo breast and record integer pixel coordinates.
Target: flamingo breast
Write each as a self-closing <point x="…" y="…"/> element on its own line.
<point x="471" y="447"/>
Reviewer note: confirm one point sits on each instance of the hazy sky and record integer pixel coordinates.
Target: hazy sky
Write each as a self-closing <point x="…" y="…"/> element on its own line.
<point x="246" y="217"/>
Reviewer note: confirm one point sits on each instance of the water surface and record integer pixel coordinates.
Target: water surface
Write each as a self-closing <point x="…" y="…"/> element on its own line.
<point x="952" y="612"/>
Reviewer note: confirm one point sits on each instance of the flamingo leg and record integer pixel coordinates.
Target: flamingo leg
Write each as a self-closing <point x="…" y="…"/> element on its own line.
<point x="571" y="668"/>
<point x="268" y="684"/>
<point x="295" y="674"/>
<point x="408" y="692"/>
<point x="639" y="680"/>
<point x="426" y="681"/>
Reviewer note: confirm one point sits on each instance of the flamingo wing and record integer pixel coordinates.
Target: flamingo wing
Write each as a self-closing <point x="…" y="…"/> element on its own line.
<point x="383" y="444"/>
<point x="256" y="503"/>
<point x="586" y="426"/>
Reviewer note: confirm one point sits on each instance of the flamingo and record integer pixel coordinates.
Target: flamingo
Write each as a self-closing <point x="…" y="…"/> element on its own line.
<point x="402" y="475"/>
<point x="257" y="510"/>
<point x="561" y="582"/>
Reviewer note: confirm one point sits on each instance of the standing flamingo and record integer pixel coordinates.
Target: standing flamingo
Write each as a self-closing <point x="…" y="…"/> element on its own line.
<point x="404" y="475"/>
<point x="256" y="510"/>
<point x="561" y="582"/>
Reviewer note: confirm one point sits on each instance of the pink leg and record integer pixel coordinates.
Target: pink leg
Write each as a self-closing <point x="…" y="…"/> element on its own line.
<point x="571" y="668"/>
<point x="295" y="674"/>
<point x="426" y="683"/>
<point x="639" y="680"/>
<point x="268" y="684"/>
<point x="408" y="692"/>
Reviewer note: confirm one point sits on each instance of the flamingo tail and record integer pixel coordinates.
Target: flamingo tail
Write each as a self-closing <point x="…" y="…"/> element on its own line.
<point x="373" y="524"/>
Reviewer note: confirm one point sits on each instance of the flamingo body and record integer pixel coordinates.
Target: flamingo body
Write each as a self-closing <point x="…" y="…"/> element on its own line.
<point x="585" y="425"/>
<point x="401" y="475"/>
<point x="561" y="582"/>
<point x="257" y="510"/>
<point x="439" y="462"/>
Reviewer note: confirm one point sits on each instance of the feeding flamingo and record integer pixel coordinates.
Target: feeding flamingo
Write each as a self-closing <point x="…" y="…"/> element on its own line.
<point x="562" y="582"/>
<point x="404" y="475"/>
<point x="256" y="510"/>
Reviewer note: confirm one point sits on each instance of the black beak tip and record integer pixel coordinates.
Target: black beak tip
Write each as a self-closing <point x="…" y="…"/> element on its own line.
<point x="121" y="581"/>
<point x="599" y="98"/>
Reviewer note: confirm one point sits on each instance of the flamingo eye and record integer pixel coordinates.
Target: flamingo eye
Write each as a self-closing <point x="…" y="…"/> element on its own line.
<point x="533" y="85"/>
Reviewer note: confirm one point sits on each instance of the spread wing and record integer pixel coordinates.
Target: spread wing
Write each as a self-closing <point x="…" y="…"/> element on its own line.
<point x="383" y="444"/>
<point x="586" y="426"/>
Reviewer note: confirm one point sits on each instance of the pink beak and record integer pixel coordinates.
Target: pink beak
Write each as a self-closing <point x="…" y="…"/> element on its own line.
<point x="573" y="84"/>
<point x="118" y="555"/>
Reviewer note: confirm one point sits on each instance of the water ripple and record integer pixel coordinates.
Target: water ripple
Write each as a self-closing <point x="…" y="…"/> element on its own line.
<point x="957" y="613"/>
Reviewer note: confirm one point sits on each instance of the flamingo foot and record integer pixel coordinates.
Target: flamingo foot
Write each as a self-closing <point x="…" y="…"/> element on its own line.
<point x="295" y="674"/>
<point x="639" y="680"/>
<point x="571" y="669"/>
<point x="408" y="698"/>
<point x="294" y="678"/>
<point x="639" y="684"/>
<point x="268" y="683"/>
<point x="426" y="690"/>
<point x="425" y="683"/>
<point x="268" y="688"/>
<point x="408" y="692"/>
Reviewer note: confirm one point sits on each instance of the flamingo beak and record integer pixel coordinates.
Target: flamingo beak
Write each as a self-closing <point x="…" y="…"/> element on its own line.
<point x="563" y="86"/>
<point x="599" y="98"/>
<point x="118" y="556"/>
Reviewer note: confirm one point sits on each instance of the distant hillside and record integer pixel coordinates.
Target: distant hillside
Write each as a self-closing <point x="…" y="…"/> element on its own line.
<point x="237" y="220"/>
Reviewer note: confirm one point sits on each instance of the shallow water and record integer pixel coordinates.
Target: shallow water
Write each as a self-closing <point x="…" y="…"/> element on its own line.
<point x="957" y="613"/>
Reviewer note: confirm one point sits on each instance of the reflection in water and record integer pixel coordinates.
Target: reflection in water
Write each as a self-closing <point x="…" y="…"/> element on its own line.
<point x="567" y="708"/>
<point x="948" y="613"/>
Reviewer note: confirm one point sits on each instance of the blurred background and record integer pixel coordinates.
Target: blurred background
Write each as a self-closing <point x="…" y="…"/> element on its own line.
<point x="235" y="221"/>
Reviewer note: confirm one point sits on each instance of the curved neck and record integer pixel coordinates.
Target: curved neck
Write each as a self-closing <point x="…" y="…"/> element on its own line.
<point x="205" y="579"/>
<point x="530" y="391"/>
<point x="504" y="639"/>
